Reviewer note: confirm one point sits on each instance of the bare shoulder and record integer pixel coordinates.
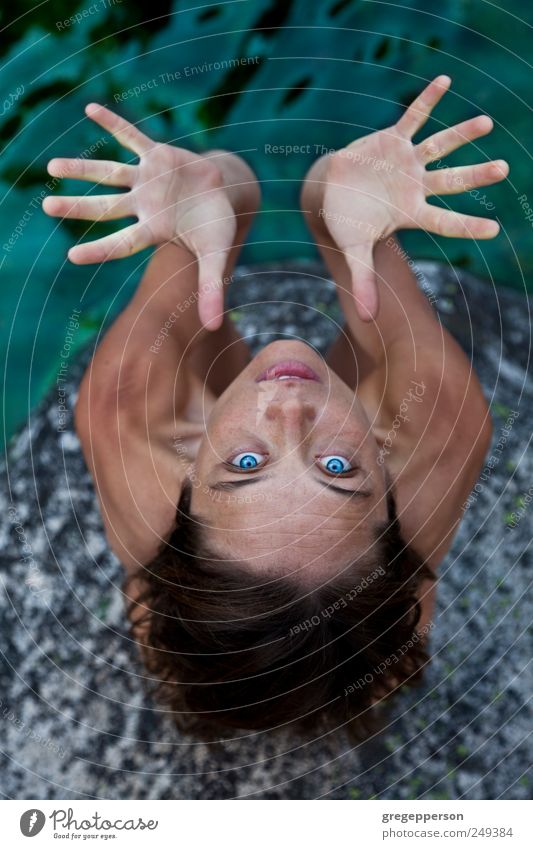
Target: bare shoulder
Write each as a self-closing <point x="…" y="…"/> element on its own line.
<point x="138" y="483"/>
<point x="441" y="448"/>
<point x="139" y="465"/>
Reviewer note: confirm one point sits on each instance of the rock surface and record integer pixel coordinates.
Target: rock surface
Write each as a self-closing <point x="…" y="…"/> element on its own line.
<point x="75" y="720"/>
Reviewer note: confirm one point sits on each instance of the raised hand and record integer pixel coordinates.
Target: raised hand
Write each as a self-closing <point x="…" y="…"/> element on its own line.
<point x="379" y="184"/>
<point x="177" y="196"/>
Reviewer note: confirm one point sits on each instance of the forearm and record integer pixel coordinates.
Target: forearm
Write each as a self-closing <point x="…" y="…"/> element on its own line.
<point x="145" y="343"/>
<point x="406" y="342"/>
<point x="161" y="324"/>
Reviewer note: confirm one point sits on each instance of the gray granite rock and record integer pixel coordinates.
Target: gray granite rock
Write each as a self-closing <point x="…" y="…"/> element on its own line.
<point x="75" y="719"/>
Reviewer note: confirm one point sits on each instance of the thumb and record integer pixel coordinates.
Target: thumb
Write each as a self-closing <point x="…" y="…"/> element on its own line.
<point x="360" y="262"/>
<point x="211" y="289"/>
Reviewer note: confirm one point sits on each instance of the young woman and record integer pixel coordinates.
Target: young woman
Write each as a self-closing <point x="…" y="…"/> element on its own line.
<point x="280" y="519"/>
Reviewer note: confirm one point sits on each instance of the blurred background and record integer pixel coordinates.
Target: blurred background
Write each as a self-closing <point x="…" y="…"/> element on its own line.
<point x="247" y="75"/>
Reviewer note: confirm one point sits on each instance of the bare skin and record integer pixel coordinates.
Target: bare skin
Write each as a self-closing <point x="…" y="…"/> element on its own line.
<point x="152" y="414"/>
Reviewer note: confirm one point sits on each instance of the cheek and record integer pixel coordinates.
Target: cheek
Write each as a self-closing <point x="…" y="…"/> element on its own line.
<point x="229" y="412"/>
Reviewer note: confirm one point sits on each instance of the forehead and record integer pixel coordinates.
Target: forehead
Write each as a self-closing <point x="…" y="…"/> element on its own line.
<point x="313" y="552"/>
<point x="297" y="530"/>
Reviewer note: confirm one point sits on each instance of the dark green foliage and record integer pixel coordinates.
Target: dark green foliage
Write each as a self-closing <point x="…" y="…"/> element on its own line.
<point x="318" y="74"/>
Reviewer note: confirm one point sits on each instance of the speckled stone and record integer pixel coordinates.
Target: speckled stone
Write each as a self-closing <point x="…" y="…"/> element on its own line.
<point x="75" y="720"/>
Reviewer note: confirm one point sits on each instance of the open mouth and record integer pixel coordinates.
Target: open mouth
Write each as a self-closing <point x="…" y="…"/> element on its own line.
<point x="289" y="370"/>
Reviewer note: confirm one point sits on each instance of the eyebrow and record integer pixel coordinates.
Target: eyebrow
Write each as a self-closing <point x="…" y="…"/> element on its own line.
<point x="229" y="486"/>
<point x="358" y="493"/>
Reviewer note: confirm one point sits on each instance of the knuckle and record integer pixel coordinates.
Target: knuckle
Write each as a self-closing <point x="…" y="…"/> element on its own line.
<point x="452" y="179"/>
<point x="428" y="149"/>
<point x="442" y="222"/>
<point x="130" y="243"/>
<point x="121" y="174"/>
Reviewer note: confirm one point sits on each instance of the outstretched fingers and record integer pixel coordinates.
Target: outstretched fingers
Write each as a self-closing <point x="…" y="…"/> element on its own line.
<point x="123" y="243"/>
<point x="416" y="115"/>
<point x="452" y="181"/>
<point x="446" y="141"/>
<point x="95" y="170"/>
<point x="124" y="132"/>
<point x="445" y="222"/>
<point x="89" y="208"/>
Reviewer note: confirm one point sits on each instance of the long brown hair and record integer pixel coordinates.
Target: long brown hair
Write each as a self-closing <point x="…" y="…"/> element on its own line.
<point x="226" y="652"/>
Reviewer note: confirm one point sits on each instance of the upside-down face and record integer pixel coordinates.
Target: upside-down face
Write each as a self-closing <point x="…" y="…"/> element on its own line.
<point x="287" y="475"/>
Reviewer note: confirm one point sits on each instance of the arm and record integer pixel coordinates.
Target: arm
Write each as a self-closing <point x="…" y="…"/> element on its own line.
<point x="439" y="447"/>
<point x="196" y="210"/>
<point x="426" y="405"/>
<point x="129" y="399"/>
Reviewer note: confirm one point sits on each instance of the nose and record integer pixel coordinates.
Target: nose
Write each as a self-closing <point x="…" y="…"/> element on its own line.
<point x="293" y="412"/>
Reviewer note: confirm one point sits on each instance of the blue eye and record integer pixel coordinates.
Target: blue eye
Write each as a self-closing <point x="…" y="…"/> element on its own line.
<point x="247" y="460"/>
<point x="335" y="464"/>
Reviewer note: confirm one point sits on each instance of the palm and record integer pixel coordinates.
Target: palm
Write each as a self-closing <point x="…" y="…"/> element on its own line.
<point x="175" y="195"/>
<point x="379" y="184"/>
<point x="179" y="197"/>
<point x="379" y="179"/>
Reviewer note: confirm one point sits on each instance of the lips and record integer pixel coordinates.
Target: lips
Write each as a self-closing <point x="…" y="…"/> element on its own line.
<point x="289" y="370"/>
